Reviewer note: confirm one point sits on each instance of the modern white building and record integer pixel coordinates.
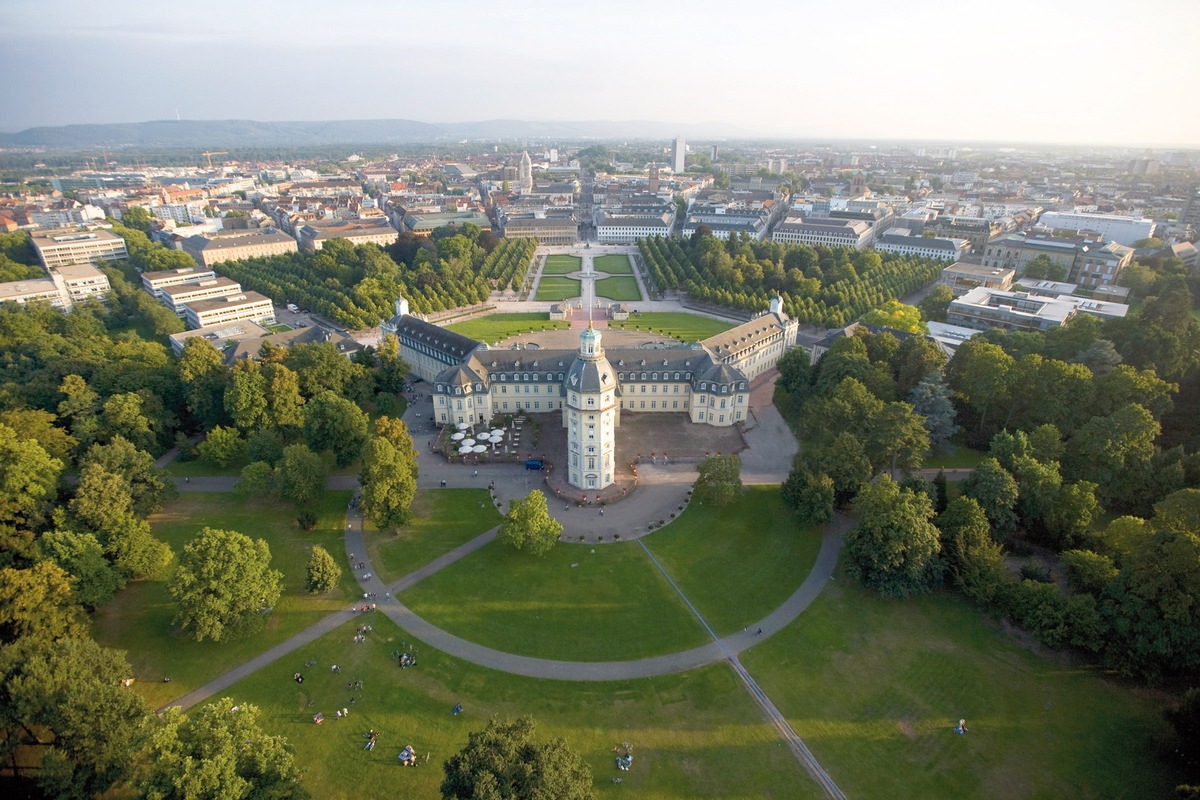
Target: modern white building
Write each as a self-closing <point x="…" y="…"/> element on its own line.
<point x="231" y="308"/>
<point x="1122" y="230"/>
<point x="179" y="296"/>
<point x="155" y="282"/>
<point x="63" y="248"/>
<point x="614" y="229"/>
<point x="678" y="156"/>
<point x="62" y="288"/>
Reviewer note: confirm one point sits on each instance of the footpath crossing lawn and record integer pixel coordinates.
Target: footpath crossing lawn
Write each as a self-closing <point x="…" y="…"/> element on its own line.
<point x="442" y="519"/>
<point x="557" y="288"/>
<point x="562" y="265"/>
<point x="739" y="563"/>
<point x="693" y="735"/>
<point x="614" y="265"/>
<point x="578" y="603"/>
<point x="495" y="327"/>
<point x="676" y="324"/>
<point x="618" y="289"/>
<point x="875" y="687"/>
<point x="140" y="618"/>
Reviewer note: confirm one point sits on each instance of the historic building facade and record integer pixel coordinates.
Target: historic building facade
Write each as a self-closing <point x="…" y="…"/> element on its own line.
<point x="709" y="381"/>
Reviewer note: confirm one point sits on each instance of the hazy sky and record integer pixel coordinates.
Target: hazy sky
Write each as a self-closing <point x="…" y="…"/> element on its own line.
<point x="1058" y="70"/>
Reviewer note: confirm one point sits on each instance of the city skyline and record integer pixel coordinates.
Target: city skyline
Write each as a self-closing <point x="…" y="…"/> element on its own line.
<point x="1075" y="73"/>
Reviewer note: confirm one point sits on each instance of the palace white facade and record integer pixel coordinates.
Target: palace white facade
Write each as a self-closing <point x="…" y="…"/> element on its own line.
<point x="709" y="381"/>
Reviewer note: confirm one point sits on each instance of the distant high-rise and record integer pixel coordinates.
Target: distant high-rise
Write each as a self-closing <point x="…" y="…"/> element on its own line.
<point x="525" y="173"/>
<point x="714" y="153"/>
<point x="678" y="155"/>
<point x="652" y="184"/>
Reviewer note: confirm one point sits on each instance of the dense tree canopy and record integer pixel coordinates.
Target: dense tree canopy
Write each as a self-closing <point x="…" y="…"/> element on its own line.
<point x="505" y="762"/>
<point x="528" y="525"/>
<point x="224" y="585"/>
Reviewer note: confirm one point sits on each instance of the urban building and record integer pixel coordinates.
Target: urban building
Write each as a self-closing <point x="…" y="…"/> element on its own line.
<point x="525" y="173"/>
<point x="547" y="230"/>
<point x="179" y="296"/>
<point x="983" y="308"/>
<point x="155" y="282"/>
<point x="34" y="289"/>
<point x="823" y="231"/>
<point x="66" y="247"/>
<point x="962" y="278"/>
<point x="81" y="282"/>
<point x="215" y="248"/>
<point x="622" y="229"/>
<point x="1088" y="263"/>
<point x="314" y="234"/>
<point x="230" y="308"/>
<point x="1122" y="230"/>
<point x="922" y="246"/>
<point x="678" y="156"/>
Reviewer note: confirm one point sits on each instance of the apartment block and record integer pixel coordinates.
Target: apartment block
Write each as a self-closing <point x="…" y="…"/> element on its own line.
<point x="63" y="248"/>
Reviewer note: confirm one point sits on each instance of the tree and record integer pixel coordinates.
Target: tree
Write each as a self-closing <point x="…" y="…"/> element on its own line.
<point x="38" y="602"/>
<point x="996" y="491"/>
<point x="1069" y="519"/>
<point x="334" y="423"/>
<point x="1153" y="607"/>
<point x="974" y="561"/>
<point x="930" y="399"/>
<point x="503" y="762"/>
<point x="389" y="486"/>
<point x="323" y="572"/>
<point x="149" y="487"/>
<point x="794" y="371"/>
<point x="65" y="698"/>
<point x="28" y="480"/>
<point x="257" y="479"/>
<point x="1101" y="357"/>
<point x="285" y="404"/>
<point x="246" y="396"/>
<point x="301" y="474"/>
<point x="720" y="480"/>
<point x="202" y="371"/>
<point x="39" y="425"/>
<point x="1185" y="719"/>
<point x="395" y="431"/>
<point x="845" y="461"/>
<point x="981" y="374"/>
<point x="82" y="556"/>
<point x="897" y="316"/>
<point x="1088" y="572"/>
<point x="138" y="219"/>
<point x="224" y="585"/>
<point x="218" y="750"/>
<point x="393" y="370"/>
<point x="222" y="446"/>
<point x="1044" y="268"/>
<point x="810" y="494"/>
<point x="528" y="525"/>
<point x="897" y="438"/>
<point x="895" y="545"/>
<point x="936" y="305"/>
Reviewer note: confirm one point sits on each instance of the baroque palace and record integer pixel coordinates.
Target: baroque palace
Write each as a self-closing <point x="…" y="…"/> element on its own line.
<point x="709" y="381"/>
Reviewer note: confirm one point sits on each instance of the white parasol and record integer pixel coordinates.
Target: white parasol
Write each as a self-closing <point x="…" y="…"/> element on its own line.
<point x="464" y="450"/>
<point x="480" y="448"/>
<point x="457" y="436"/>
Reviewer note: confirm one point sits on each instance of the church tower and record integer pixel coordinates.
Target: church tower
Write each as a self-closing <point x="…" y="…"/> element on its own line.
<point x="591" y="415"/>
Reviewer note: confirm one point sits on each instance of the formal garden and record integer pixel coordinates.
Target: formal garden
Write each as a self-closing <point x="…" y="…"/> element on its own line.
<point x="557" y="288"/>
<point x="622" y="288"/>
<point x="562" y="264"/>
<point x="676" y="324"/>
<point x="614" y="264"/>
<point x="496" y="327"/>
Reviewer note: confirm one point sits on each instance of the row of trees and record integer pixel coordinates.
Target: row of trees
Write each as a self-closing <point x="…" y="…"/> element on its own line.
<point x="819" y="285"/>
<point x="357" y="286"/>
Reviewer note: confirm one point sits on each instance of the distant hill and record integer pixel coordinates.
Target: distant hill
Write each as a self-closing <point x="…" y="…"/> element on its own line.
<point x="251" y="133"/>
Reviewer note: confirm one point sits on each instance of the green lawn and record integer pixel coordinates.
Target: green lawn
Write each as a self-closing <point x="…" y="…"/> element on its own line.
<point x="739" y="563"/>
<point x="693" y="735"/>
<point x="442" y="520"/>
<point x="557" y="289"/>
<point x="279" y="328"/>
<point x="614" y="265"/>
<point x="562" y="265"/>
<point x="495" y="327"/>
<point x="139" y="619"/>
<point x="874" y="688"/>
<point x="676" y="324"/>
<point x="578" y="603"/>
<point x="618" y="289"/>
<point x="958" y="457"/>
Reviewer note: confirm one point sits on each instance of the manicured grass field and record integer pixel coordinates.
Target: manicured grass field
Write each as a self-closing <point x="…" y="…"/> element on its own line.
<point x="618" y="289"/>
<point x="676" y="324"/>
<point x="614" y="265"/>
<point x="739" y="563"/>
<point x="557" y="288"/>
<point x="442" y="519"/>
<point x="874" y="688"/>
<point x="693" y="735"/>
<point x="495" y="327"/>
<point x="578" y="603"/>
<point x="139" y="619"/>
<point x="562" y="265"/>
